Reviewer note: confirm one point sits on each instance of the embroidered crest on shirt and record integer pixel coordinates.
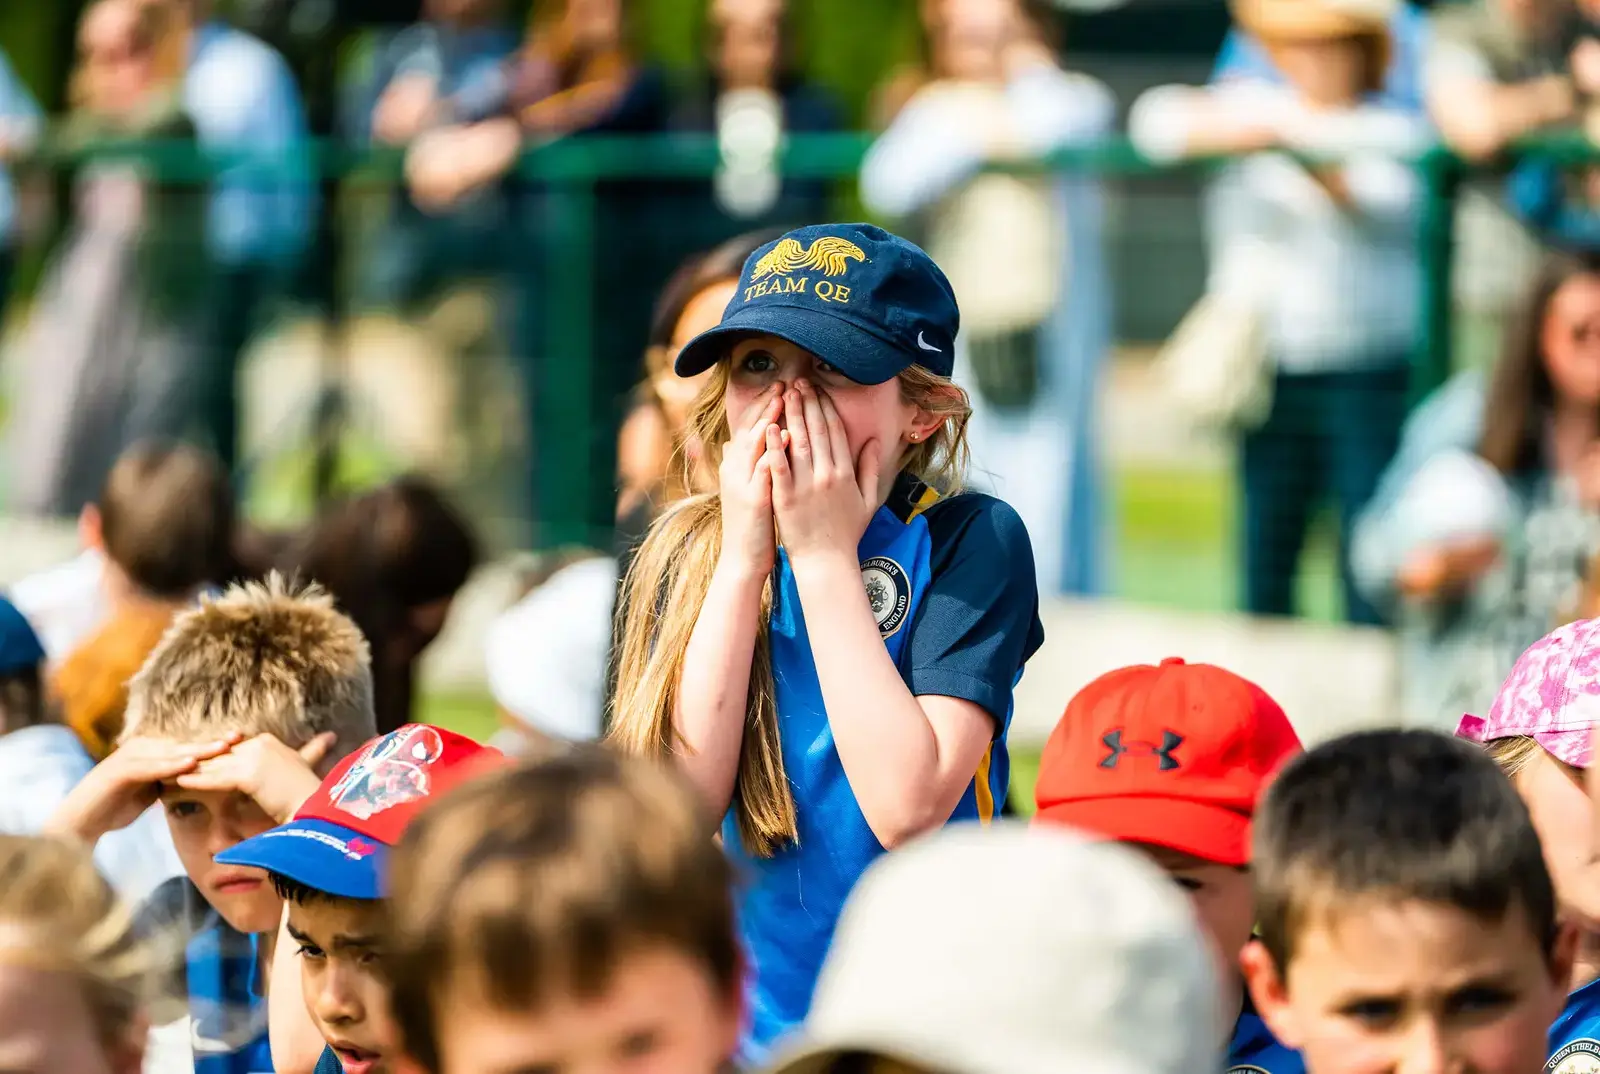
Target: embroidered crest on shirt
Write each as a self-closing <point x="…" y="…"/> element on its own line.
<point x="1579" y="1057"/>
<point x="389" y="772"/>
<point x="888" y="592"/>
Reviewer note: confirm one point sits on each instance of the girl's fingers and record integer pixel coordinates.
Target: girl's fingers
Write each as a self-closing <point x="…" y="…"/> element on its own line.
<point x="777" y="461"/>
<point x="794" y="416"/>
<point x="816" y="425"/>
<point x="837" y="440"/>
<point x="755" y="414"/>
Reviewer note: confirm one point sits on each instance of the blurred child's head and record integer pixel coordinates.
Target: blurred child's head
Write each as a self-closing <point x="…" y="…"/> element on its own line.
<point x="1407" y="920"/>
<point x="1537" y="731"/>
<point x="546" y="656"/>
<point x="91" y="684"/>
<point x="259" y="659"/>
<point x="691" y="302"/>
<point x="573" y="912"/>
<point x="73" y="983"/>
<point x="1173" y="760"/>
<point x="328" y="864"/>
<point x="870" y="321"/>
<point x="165" y="520"/>
<point x="119" y="48"/>
<point x="1090" y="961"/>
<point x="1332" y="52"/>
<point x="22" y="702"/>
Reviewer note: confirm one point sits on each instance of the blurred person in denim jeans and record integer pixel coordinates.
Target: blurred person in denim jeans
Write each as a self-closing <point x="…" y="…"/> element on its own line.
<point x="244" y="102"/>
<point x="1334" y="246"/>
<point x="19" y="130"/>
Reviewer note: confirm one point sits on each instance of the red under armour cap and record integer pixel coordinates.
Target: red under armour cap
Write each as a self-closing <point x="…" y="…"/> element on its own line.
<point x="1175" y="756"/>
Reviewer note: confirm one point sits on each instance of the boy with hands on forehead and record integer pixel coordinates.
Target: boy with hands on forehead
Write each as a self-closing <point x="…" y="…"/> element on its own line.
<point x="248" y="697"/>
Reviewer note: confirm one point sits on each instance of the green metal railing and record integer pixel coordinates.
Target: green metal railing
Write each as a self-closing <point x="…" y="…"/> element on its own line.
<point x="570" y="172"/>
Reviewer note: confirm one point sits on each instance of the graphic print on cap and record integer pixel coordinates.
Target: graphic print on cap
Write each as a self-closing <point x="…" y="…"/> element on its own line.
<point x="390" y="771"/>
<point x="829" y="255"/>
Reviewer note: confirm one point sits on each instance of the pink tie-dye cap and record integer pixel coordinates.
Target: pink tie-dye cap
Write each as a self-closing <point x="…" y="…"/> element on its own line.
<point x="1552" y="695"/>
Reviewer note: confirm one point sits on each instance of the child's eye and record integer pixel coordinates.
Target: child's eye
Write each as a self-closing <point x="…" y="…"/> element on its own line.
<point x="183" y="810"/>
<point x="1372" y="1013"/>
<point x="826" y="368"/>
<point x="1188" y="883"/>
<point x="307" y="950"/>
<point x="758" y="362"/>
<point x="1479" y="1000"/>
<point x="641" y="1043"/>
<point x="369" y="958"/>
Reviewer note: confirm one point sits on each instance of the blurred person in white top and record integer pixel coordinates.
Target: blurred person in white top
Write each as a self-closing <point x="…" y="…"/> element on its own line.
<point x="1337" y="242"/>
<point x="1025" y="255"/>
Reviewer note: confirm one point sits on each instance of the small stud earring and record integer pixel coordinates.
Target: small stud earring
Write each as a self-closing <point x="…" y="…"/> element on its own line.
<point x="916" y="436"/>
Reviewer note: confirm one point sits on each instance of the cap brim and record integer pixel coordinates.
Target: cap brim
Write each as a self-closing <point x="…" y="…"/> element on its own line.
<point x="1574" y="747"/>
<point x="325" y="857"/>
<point x="1210" y="832"/>
<point x="859" y="354"/>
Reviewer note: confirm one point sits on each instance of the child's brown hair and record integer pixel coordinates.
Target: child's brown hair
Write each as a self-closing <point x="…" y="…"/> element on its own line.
<point x="167" y="518"/>
<point x="1399" y="815"/>
<point x="259" y="659"/>
<point x="541" y="879"/>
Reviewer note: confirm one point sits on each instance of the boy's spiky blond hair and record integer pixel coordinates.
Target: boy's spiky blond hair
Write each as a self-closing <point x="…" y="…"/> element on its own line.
<point x="262" y="658"/>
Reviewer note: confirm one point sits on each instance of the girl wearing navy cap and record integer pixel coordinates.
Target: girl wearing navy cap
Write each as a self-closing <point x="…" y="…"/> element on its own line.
<point x="828" y="644"/>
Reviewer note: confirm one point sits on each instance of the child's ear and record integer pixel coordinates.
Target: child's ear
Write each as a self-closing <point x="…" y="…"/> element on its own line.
<point x="1269" y="993"/>
<point x="1563" y="952"/>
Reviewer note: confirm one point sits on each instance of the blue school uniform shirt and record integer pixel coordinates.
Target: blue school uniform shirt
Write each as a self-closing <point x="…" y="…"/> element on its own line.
<point x="1254" y="1050"/>
<point x="220" y="977"/>
<point x="951" y="584"/>
<point x="329" y="1063"/>
<point x="1575" y="1035"/>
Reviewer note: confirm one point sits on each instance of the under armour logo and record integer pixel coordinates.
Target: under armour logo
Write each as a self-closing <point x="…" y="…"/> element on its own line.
<point x="1170" y="740"/>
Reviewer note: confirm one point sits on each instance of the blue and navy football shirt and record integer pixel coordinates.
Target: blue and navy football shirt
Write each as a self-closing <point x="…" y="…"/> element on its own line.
<point x="1575" y="1036"/>
<point x="1254" y="1050"/>
<point x="951" y="584"/>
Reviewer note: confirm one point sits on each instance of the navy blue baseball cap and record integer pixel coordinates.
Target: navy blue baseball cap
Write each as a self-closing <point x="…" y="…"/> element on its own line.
<point x="863" y="300"/>
<point x="19" y="645"/>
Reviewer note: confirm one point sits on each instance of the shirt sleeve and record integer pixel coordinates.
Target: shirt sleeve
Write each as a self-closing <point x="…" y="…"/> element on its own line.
<point x="979" y="620"/>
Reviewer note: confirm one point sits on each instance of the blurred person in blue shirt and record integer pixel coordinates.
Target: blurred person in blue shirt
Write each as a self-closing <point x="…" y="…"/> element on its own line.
<point x="1243" y="56"/>
<point x="427" y="76"/>
<point x="19" y="130"/>
<point x="243" y="100"/>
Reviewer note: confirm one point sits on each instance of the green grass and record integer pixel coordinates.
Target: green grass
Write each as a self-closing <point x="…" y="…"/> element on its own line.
<point x="1175" y="545"/>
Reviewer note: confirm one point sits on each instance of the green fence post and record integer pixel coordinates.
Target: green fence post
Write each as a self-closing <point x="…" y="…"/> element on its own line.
<point x="1441" y="176"/>
<point x="564" y="416"/>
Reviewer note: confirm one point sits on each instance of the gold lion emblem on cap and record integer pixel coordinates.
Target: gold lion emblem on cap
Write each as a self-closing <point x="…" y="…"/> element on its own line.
<point x="829" y="255"/>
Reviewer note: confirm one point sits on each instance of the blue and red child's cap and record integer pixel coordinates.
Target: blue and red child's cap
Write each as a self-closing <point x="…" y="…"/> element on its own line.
<point x="867" y="302"/>
<point x="339" y="840"/>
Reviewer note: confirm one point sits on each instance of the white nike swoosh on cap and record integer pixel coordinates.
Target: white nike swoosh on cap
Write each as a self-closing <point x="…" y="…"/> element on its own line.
<point x="925" y="345"/>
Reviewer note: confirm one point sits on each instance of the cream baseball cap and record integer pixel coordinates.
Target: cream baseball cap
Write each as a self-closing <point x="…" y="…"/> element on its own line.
<point x="1010" y="950"/>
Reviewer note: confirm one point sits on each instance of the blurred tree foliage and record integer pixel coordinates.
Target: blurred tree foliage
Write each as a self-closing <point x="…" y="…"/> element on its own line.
<point x="846" y="45"/>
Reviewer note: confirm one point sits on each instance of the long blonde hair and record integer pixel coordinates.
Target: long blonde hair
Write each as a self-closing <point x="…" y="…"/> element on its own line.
<point x="666" y="587"/>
